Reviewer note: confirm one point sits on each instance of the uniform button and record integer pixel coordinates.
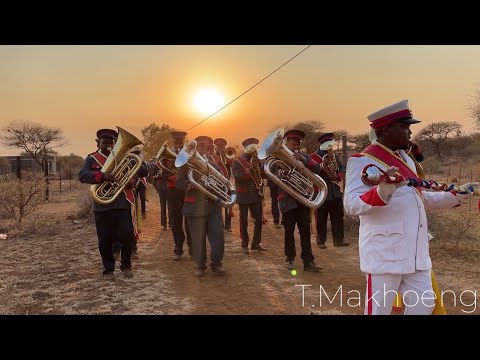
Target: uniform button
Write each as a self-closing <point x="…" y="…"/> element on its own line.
<point x="421" y="225"/>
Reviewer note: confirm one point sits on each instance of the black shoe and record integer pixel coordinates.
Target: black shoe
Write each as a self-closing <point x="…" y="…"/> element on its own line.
<point x="245" y="249"/>
<point x="164" y="228"/>
<point x="127" y="273"/>
<point x="341" y="243"/>
<point x="257" y="247"/>
<point x="220" y="270"/>
<point x="290" y="265"/>
<point x="322" y="245"/>
<point x="311" y="267"/>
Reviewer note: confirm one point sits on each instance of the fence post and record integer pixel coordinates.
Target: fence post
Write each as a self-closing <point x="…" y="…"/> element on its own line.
<point x="345" y="155"/>
<point x="19" y="168"/>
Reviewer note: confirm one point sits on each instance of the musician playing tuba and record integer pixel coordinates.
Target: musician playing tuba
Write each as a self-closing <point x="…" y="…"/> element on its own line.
<point x="393" y="238"/>
<point x="248" y="174"/>
<point x="333" y="205"/>
<point x="294" y="212"/>
<point x="115" y="218"/>
<point x="204" y="215"/>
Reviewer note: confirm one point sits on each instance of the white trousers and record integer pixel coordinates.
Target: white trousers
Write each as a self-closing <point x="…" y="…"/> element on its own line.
<point x="415" y="289"/>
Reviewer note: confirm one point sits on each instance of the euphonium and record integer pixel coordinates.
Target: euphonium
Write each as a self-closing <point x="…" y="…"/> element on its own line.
<point x="165" y="153"/>
<point x="205" y="177"/>
<point x="230" y="152"/>
<point x="329" y="162"/>
<point x="120" y="163"/>
<point x="292" y="176"/>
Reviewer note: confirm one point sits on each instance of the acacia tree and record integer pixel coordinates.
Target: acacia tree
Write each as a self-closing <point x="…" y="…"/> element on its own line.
<point x="361" y="141"/>
<point x="34" y="139"/>
<point x="437" y="133"/>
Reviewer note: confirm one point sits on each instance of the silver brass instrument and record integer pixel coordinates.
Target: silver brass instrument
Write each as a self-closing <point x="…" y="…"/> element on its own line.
<point x="120" y="163"/>
<point x="292" y="176"/>
<point x="329" y="162"/>
<point x="205" y="177"/>
<point x="165" y="153"/>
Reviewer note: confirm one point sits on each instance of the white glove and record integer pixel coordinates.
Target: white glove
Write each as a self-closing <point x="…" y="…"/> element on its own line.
<point x="385" y="189"/>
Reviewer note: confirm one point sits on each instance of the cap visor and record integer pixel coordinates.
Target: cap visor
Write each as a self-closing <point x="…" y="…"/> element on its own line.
<point x="410" y="121"/>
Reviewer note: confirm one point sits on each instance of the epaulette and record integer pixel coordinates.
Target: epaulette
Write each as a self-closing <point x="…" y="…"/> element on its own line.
<point x="357" y="155"/>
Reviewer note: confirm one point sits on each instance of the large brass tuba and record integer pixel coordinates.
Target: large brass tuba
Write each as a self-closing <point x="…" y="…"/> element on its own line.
<point x="329" y="163"/>
<point x="120" y="163"/>
<point x="292" y="176"/>
<point x="165" y="153"/>
<point x="205" y="177"/>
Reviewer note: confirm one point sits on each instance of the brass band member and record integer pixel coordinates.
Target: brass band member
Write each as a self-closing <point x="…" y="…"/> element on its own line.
<point x="225" y="165"/>
<point x="333" y="205"/>
<point x="114" y="219"/>
<point x="160" y="180"/>
<point x="175" y="201"/>
<point x="393" y="238"/>
<point x="295" y="213"/>
<point x="249" y="186"/>
<point x="204" y="217"/>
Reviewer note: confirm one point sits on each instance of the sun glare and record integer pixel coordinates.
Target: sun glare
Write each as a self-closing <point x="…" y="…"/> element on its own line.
<point x="207" y="101"/>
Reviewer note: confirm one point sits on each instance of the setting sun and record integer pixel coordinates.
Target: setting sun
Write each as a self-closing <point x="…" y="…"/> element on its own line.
<point x="207" y="101"/>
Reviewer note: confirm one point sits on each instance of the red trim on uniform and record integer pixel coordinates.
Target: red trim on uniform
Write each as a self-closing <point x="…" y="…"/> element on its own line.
<point x="171" y="181"/>
<point x="369" y="295"/>
<point x="97" y="176"/>
<point x="241" y="189"/>
<point x="372" y="198"/>
<point x="220" y="164"/>
<point x="280" y="196"/>
<point x="129" y="196"/>
<point x="397" y="309"/>
<point x="316" y="157"/>
<point x="144" y="181"/>
<point x="311" y="162"/>
<point x="356" y="155"/>
<point x="189" y="199"/>
<point x="390" y="118"/>
<point x="341" y="175"/>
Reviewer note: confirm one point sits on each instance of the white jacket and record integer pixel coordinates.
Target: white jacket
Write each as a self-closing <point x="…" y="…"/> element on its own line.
<point x="393" y="236"/>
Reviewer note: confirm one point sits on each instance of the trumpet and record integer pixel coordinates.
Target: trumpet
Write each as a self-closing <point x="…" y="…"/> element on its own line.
<point x="292" y="176"/>
<point x="165" y="153"/>
<point x="329" y="162"/>
<point x="205" y="177"/>
<point x="373" y="175"/>
<point x="120" y="163"/>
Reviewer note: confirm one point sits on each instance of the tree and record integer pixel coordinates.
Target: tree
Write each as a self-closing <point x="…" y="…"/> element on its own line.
<point x="474" y="109"/>
<point x="437" y="133"/>
<point x="69" y="166"/>
<point x="361" y="141"/>
<point x="153" y="137"/>
<point x="34" y="139"/>
<point x="339" y="134"/>
<point x="312" y="128"/>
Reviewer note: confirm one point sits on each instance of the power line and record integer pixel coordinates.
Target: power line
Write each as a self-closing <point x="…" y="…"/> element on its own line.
<point x="246" y="91"/>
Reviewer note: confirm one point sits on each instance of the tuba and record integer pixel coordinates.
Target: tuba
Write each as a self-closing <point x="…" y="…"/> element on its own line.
<point x="329" y="163"/>
<point x="120" y="163"/>
<point x="165" y="153"/>
<point x="205" y="177"/>
<point x="292" y="176"/>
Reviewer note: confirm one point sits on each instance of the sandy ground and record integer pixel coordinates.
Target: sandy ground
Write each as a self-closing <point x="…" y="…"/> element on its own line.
<point x="60" y="273"/>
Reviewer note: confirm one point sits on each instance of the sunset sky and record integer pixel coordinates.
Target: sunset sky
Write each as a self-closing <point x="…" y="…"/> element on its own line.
<point x="83" y="88"/>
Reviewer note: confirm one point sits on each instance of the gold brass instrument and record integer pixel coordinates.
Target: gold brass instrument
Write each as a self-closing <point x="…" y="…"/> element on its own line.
<point x="292" y="176"/>
<point x="329" y="162"/>
<point x="122" y="164"/>
<point x="165" y="153"/>
<point x="255" y="170"/>
<point x="230" y="152"/>
<point x="205" y="177"/>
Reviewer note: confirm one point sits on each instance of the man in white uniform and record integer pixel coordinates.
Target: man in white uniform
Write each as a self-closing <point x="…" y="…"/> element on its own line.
<point x="393" y="237"/>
